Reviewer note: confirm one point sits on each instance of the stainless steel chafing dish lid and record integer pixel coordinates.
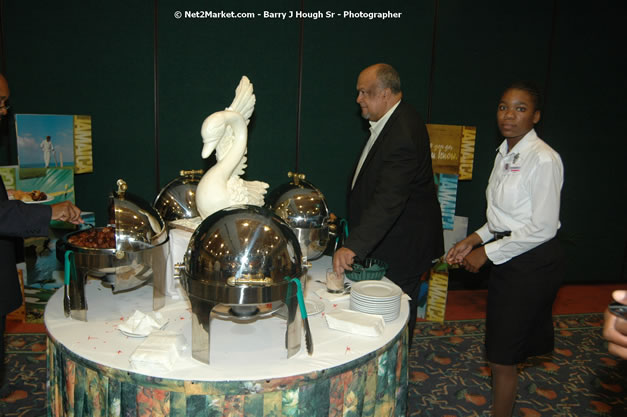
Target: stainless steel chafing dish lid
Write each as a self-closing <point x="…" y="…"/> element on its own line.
<point x="177" y="200"/>
<point x="137" y="225"/>
<point x="299" y="203"/>
<point x="242" y="246"/>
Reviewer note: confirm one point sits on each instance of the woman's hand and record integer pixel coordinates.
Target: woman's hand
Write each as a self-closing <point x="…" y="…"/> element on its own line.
<point x="461" y="249"/>
<point x="475" y="259"/>
<point x="615" y="328"/>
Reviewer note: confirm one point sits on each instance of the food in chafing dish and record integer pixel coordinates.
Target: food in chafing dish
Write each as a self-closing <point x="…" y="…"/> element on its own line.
<point x="101" y="238"/>
<point x="27" y="196"/>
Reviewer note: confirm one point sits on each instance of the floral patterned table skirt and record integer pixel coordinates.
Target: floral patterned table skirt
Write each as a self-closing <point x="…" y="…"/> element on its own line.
<point x="372" y="385"/>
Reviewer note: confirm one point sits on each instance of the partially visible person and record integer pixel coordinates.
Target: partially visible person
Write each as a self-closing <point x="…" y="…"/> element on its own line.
<point x="19" y="220"/>
<point x="393" y="210"/>
<point x="523" y="197"/>
<point x="615" y="328"/>
<point x="47" y="147"/>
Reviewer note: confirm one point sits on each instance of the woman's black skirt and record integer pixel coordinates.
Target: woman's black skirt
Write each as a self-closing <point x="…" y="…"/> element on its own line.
<point x="520" y="299"/>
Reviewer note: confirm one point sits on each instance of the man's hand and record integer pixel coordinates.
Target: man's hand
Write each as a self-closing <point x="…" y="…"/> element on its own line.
<point x="615" y="328"/>
<point x="342" y="260"/>
<point x="67" y="212"/>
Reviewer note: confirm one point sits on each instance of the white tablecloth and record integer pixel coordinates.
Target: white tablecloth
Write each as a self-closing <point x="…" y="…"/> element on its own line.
<point x="238" y="351"/>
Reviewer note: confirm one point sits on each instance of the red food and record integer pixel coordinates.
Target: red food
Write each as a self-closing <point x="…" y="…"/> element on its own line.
<point x="37" y="195"/>
<point x="102" y="238"/>
<point x="34" y="195"/>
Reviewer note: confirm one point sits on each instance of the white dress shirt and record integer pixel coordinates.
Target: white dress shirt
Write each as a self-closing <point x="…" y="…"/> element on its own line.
<point x="523" y="197"/>
<point x="375" y="130"/>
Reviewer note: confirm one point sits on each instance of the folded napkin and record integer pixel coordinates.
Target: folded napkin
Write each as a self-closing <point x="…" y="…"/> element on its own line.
<point x="323" y="293"/>
<point x="140" y="324"/>
<point x="158" y="352"/>
<point x="355" y="322"/>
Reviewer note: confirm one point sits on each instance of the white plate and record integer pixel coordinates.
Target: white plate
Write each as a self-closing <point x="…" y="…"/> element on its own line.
<point x="314" y="307"/>
<point x="39" y="202"/>
<point x="376" y="289"/>
<point x="376" y="303"/>
<point x="376" y="300"/>
<point x="367" y="307"/>
<point x="33" y="202"/>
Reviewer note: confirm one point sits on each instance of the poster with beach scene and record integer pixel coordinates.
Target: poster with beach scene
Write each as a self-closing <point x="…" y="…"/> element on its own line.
<point x="46" y="141"/>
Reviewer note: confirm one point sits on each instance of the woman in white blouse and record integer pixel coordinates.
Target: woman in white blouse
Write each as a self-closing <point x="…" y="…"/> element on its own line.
<point x="523" y="197"/>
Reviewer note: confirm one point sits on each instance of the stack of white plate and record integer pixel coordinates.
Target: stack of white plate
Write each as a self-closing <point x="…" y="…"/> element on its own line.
<point x="377" y="297"/>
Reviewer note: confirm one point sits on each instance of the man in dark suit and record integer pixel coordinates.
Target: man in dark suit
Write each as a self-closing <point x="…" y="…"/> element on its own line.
<point x="19" y="220"/>
<point x="393" y="211"/>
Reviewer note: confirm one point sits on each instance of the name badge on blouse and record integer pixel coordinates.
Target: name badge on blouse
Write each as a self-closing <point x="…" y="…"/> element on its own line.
<point x="513" y="167"/>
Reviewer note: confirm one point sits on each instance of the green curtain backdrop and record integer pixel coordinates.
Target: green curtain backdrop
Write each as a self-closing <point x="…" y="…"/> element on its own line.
<point x="76" y="57"/>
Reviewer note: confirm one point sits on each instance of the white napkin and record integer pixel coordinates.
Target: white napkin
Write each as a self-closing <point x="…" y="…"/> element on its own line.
<point x="140" y="324"/>
<point x="158" y="352"/>
<point x="323" y="293"/>
<point x="356" y="322"/>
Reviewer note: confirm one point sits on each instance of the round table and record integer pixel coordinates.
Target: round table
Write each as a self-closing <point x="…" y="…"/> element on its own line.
<point x="89" y="372"/>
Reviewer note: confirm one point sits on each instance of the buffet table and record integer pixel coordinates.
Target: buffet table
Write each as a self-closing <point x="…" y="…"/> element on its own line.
<point x="89" y="373"/>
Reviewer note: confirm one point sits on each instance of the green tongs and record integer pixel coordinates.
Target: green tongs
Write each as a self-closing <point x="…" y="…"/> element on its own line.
<point x="303" y="313"/>
<point x="70" y="272"/>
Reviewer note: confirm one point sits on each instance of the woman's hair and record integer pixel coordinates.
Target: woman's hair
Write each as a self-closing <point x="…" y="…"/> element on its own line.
<point x="531" y="88"/>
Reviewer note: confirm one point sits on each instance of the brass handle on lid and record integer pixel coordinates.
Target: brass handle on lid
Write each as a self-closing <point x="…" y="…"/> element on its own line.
<point x="190" y="173"/>
<point x="248" y="279"/>
<point x="122" y="187"/>
<point x="297" y="176"/>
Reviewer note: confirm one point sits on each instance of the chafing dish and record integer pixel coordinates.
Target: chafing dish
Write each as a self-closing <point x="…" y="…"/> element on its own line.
<point x="305" y="210"/>
<point x="140" y="254"/>
<point x="240" y="263"/>
<point x="177" y="200"/>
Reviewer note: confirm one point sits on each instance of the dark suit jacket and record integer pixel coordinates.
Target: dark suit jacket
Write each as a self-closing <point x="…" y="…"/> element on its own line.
<point x="393" y="211"/>
<point x="17" y="220"/>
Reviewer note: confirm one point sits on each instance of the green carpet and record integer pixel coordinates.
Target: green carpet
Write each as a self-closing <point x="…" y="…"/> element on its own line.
<point x="26" y="375"/>
<point x="450" y="377"/>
